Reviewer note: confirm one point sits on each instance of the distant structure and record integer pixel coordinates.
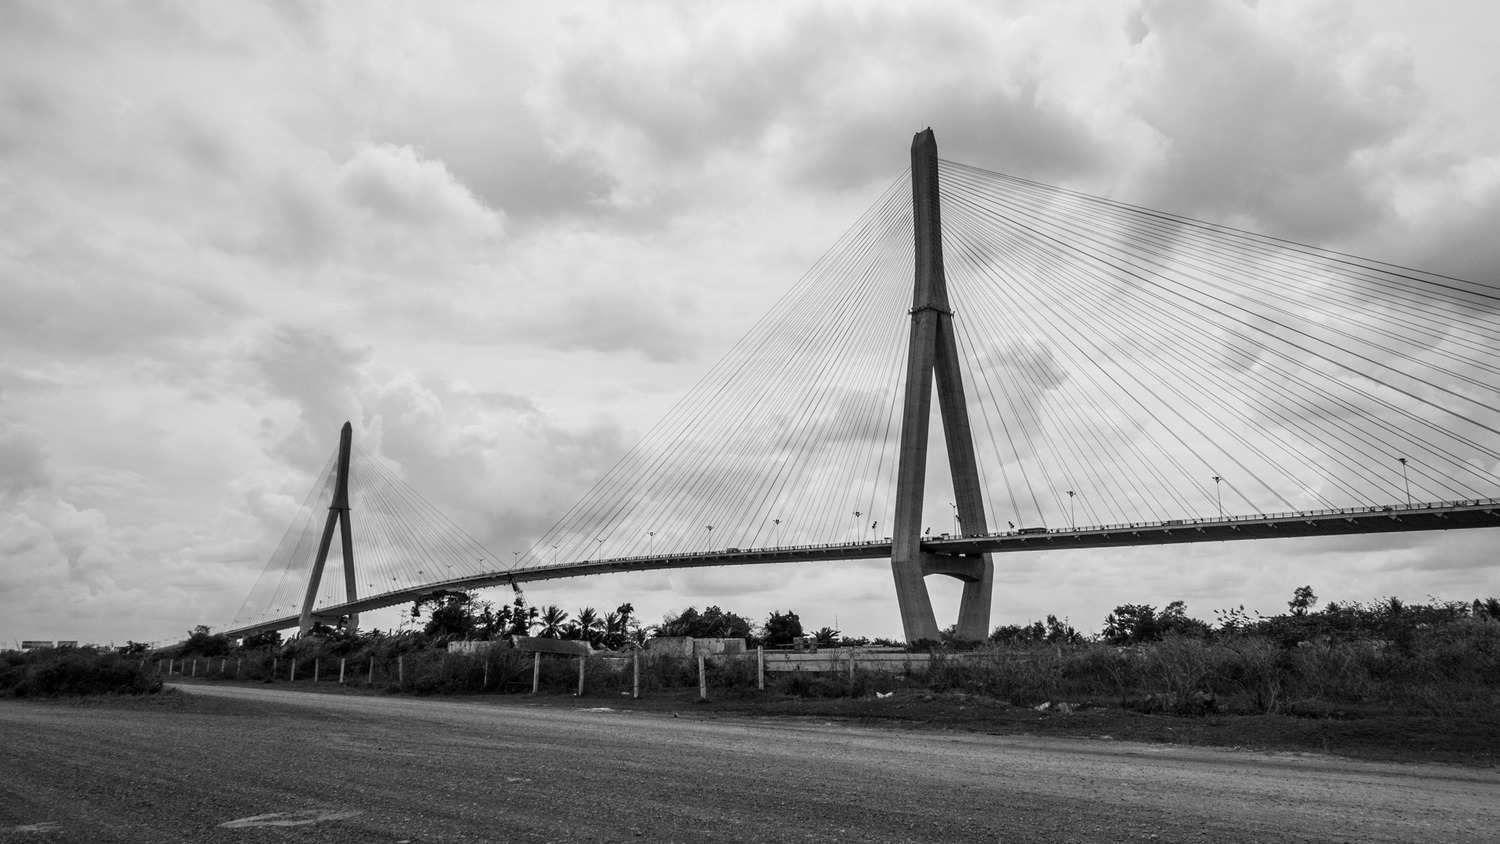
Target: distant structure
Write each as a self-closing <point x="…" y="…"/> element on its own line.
<point x="338" y="513"/>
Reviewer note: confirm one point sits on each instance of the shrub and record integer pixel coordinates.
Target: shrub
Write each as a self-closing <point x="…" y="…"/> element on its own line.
<point x="74" y="671"/>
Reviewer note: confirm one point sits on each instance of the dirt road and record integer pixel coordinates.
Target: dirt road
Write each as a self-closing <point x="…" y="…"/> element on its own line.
<point x="243" y="764"/>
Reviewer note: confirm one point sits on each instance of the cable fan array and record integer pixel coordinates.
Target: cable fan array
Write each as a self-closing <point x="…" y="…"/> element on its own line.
<point x="790" y="438"/>
<point x="1121" y="365"/>
<point x="1128" y="365"/>
<point x="400" y="542"/>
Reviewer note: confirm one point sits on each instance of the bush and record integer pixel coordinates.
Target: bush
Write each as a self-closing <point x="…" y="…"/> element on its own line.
<point x="74" y="671"/>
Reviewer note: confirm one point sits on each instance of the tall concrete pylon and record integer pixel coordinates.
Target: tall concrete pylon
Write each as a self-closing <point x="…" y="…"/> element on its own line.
<point x="934" y="352"/>
<point x="338" y="512"/>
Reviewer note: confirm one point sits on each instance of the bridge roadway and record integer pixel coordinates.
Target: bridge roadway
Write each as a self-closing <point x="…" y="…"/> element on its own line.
<point x="1423" y="516"/>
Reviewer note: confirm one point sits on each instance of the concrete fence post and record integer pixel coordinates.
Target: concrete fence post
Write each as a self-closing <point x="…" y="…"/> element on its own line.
<point x="635" y="683"/>
<point x="341" y="670"/>
<point x="702" y="679"/>
<point x="370" y="680"/>
<point x="536" y="671"/>
<point x="581" y="659"/>
<point x="291" y="675"/>
<point x="317" y="664"/>
<point x="760" y="667"/>
<point x="485" y="683"/>
<point x="223" y="666"/>
<point x="195" y="668"/>
<point x="401" y="670"/>
<point x="237" y="663"/>
<point x="275" y="661"/>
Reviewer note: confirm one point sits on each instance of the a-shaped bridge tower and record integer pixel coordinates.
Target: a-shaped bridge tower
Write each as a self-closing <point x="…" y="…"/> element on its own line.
<point x="934" y="353"/>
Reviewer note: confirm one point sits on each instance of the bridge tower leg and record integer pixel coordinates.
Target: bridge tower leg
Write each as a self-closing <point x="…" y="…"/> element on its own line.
<point x="934" y="352"/>
<point x="338" y="513"/>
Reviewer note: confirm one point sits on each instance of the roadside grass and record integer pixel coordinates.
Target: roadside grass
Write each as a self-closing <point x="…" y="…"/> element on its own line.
<point x="1433" y="696"/>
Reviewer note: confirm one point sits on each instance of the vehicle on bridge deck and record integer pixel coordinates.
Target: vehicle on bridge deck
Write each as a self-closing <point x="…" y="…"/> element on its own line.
<point x="1032" y="530"/>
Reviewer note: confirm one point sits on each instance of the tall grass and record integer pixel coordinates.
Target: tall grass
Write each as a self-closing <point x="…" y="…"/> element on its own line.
<point x="1451" y="667"/>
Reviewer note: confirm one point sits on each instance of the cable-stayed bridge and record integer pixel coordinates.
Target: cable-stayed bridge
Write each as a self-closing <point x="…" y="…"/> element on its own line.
<point x="1105" y="375"/>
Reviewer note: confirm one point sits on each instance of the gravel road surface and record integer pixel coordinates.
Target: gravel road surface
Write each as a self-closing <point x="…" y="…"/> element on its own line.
<point x="253" y="765"/>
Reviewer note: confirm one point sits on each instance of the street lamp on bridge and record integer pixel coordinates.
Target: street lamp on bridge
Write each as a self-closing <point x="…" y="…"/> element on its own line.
<point x="1218" y="496"/>
<point x="1405" y="481"/>
<point x="651" y="543"/>
<point x="1072" y="518"/>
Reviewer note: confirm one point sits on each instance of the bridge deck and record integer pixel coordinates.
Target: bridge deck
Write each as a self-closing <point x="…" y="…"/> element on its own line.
<point x="1447" y="515"/>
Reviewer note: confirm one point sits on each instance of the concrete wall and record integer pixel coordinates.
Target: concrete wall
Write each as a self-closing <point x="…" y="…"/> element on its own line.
<point x="830" y="659"/>
<point x="688" y="646"/>
<point x="476" y="647"/>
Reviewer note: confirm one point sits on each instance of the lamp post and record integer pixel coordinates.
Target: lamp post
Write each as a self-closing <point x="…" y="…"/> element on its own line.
<point x="857" y="515"/>
<point x="1405" y="481"/>
<point x="955" y="517"/>
<point x="600" y="548"/>
<point x="1219" y="496"/>
<point x="651" y="543"/>
<point x="777" y="523"/>
<point x="1072" y="518"/>
<point x="554" y="555"/>
<point x="710" y="537"/>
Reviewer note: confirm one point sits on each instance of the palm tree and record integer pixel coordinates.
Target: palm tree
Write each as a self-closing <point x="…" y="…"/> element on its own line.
<point x="589" y="625"/>
<point x="553" y="619"/>
<point x="522" y="619"/>
<point x="614" y="631"/>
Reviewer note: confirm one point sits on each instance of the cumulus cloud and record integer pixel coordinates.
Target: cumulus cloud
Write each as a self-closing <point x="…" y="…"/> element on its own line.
<point x="501" y="241"/>
<point x="1266" y="114"/>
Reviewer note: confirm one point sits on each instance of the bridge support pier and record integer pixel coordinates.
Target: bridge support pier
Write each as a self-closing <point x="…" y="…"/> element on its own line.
<point x="933" y="355"/>
<point x="338" y="513"/>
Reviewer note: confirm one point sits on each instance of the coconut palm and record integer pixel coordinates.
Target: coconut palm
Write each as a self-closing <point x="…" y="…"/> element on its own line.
<point x="614" y="631"/>
<point x="590" y="626"/>
<point x="554" y="621"/>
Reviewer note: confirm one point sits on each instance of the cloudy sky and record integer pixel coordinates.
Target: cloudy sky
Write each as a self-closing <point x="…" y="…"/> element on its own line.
<point x="503" y="239"/>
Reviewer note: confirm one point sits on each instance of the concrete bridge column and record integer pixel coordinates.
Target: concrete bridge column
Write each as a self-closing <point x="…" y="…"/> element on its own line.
<point x="934" y="354"/>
